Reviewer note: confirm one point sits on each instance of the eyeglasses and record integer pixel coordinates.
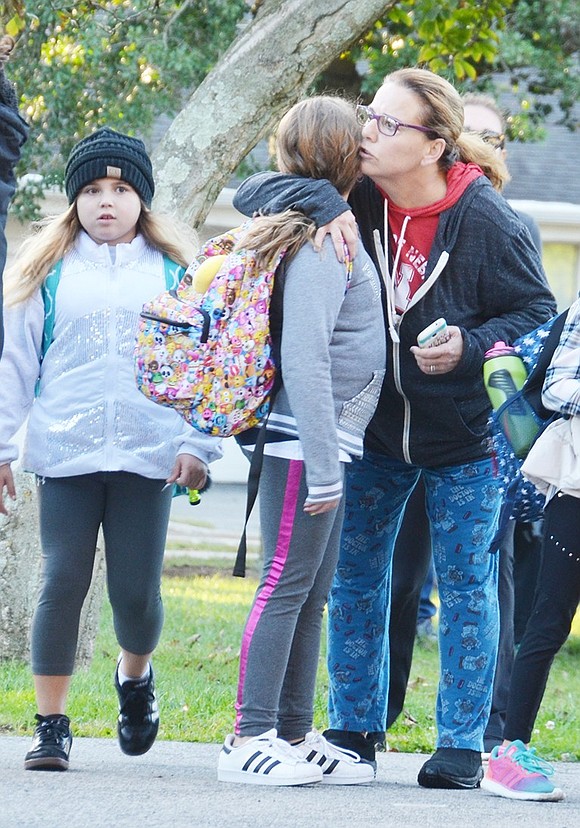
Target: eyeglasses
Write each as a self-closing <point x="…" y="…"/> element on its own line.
<point x="494" y="139"/>
<point x="386" y="124"/>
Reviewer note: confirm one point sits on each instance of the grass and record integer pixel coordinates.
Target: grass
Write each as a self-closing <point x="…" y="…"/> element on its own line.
<point x="196" y="666"/>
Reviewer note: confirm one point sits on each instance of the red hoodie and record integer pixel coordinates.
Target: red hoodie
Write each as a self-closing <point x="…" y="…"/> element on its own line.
<point x="419" y="231"/>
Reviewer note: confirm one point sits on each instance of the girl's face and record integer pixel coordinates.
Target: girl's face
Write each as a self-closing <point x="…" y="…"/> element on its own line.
<point x="387" y="159"/>
<point x="108" y="210"/>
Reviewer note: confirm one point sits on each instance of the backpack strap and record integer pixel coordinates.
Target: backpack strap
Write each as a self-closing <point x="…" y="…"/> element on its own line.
<point x="254" y="479"/>
<point x="174" y="273"/>
<point x="276" y="308"/>
<point x="535" y="381"/>
<point x="48" y="291"/>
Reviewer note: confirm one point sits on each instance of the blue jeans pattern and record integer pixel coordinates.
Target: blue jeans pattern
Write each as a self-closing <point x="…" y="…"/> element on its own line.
<point x="463" y="507"/>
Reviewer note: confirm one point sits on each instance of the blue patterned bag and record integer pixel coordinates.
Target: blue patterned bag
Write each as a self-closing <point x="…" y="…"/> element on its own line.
<point x="522" y="501"/>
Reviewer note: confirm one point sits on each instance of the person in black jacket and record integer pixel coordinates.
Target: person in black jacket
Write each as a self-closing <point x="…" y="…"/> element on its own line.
<point x="13" y="134"/>
<point x="519" y="552"/>
<point x="448" y="246"/>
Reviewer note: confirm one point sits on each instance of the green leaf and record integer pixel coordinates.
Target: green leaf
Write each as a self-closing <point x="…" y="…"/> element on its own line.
<point x="15" y="25"/>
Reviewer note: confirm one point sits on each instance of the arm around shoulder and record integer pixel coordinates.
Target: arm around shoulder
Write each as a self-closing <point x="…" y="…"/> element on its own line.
<point x="271" y="193"/>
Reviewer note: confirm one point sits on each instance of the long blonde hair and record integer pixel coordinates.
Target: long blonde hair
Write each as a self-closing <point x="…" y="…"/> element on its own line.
<point x="54" y="236"/>
<point x="442" y="113"/>
<point x="320" y="138"/>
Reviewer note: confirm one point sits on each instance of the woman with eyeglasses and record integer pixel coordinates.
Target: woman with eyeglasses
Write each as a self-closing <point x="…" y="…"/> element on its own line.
<point x="449" y="246"/>
<point x="412" y="553"/>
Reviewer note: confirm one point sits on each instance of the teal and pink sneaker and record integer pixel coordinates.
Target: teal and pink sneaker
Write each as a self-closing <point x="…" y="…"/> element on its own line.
<point x="516" y="772"/>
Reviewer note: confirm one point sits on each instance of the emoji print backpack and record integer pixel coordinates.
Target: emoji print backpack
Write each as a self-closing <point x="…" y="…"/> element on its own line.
<point x="206" y="349"/>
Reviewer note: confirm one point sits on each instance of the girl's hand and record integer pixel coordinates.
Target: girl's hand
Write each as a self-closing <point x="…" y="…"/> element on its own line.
<point x="188" y="471"/>
<point x="321" y="508"/>
<point x="6" y="481"/>
<point x="342" y="230"/>
<point x="440" y="359"/>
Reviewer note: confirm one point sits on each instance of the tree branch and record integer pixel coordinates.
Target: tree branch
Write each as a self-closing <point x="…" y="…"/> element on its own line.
<point x="267" y="69"/>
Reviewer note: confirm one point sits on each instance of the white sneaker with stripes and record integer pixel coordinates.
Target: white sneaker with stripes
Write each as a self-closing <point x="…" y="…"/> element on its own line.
<point x="265" y="760"/>
<point x="339" y="766"/>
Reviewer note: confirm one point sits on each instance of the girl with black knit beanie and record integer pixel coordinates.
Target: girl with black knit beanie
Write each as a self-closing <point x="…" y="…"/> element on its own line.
<point x="102" y="453"/>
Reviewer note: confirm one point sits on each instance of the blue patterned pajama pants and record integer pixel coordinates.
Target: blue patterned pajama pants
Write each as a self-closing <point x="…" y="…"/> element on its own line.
<point x="463" y="506"/>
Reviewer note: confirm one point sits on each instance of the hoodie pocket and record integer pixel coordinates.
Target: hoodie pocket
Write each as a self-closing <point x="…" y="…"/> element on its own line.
<point x="473" y="413"/>
<point x="357" y="412"/>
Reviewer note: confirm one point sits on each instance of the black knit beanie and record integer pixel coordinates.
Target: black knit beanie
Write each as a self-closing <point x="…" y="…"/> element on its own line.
<point x="109" y="154"/>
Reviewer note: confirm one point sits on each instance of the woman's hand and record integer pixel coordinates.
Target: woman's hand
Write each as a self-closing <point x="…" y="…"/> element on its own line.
<point x="321" y="508"/>
<point x="6" y="482"/>
<point x="342" y="230"/>
<point x="440" y="359"/>
<point x="188" y="471"/>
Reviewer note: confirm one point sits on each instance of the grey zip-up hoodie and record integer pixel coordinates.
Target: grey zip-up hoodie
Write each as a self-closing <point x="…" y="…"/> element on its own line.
<point x="491" y="285"/>
<point x="333" y="363"/>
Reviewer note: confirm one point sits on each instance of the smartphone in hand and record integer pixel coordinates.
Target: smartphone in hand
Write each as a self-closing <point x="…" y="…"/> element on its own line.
<point x="434" y="334"/>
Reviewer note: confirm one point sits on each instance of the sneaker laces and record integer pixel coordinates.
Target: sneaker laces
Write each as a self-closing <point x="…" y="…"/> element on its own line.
<point x="271" y="740"/>
<point x="528" y="759"/>
<point x="136" y="701"/>
<point x="53" y="730"/>
<point x="320" y="743"/>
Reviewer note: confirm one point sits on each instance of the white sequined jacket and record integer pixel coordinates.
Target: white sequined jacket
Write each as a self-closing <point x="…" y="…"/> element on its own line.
<point x="89" y="415"/>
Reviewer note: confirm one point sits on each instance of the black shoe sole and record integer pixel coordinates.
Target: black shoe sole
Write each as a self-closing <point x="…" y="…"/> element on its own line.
<point x="47" y="763"/>
<point x="449" y="783"/>
<point x="139" y="750"/>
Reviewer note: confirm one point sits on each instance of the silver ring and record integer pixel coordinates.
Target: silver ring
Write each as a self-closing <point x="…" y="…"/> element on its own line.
<point x="432" y="368"/>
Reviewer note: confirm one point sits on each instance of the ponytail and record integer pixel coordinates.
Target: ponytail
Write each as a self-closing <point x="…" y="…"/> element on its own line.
<point x="473" y="149"/>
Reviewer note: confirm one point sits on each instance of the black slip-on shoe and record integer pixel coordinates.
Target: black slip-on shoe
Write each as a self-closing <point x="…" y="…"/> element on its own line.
<point x="452" y="768"/>
<point x="51" y="744"/>
<point x="354" y="741"/>
<point x="138" y="720"/>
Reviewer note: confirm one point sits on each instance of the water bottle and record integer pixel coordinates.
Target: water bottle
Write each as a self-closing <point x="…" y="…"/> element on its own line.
<point x="504" y="374"/>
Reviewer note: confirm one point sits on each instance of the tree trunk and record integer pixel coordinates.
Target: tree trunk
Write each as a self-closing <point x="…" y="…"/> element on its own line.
<point x="265" y="71"/>
<point x="20" y="560"/>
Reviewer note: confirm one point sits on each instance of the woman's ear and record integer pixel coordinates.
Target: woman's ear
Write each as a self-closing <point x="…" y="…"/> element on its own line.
<point x="433" y="151"/>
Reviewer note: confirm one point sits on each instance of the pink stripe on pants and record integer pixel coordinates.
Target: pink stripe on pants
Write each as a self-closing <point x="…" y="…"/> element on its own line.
<point x="280" y="556"/>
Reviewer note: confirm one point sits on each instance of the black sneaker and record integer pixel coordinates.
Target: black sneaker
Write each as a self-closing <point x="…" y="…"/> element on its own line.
<point x="51" y="744"/>
<point x="452" y="768"/>
<point x="358" y="743"/>
<point x="138" y="720"/>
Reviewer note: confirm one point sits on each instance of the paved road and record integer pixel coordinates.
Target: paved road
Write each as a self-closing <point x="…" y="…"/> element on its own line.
<point x="175" y="785"/>
<point x="217" y="521"/>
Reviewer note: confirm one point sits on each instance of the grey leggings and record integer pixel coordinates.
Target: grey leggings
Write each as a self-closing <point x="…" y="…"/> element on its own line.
<point x="281" y="639"/>
<point x="134" y="514"/>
